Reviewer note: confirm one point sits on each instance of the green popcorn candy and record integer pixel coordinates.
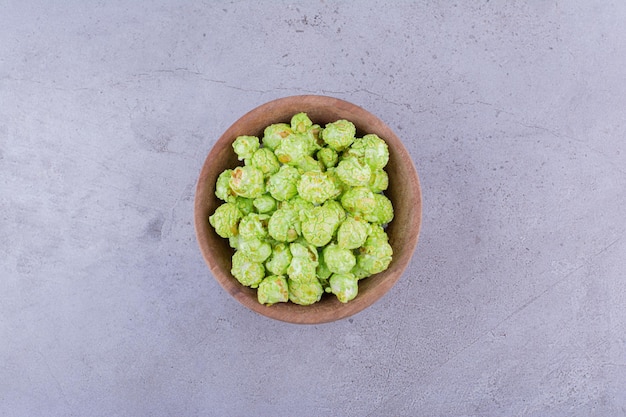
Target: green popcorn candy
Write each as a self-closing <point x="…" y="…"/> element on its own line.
<point x="247" y="181"/>
<point x="358" y="200"/>
<point x="253" y="226"/>
<point x="337" y="259"/>
<point x="233" y="242"/>
<point x="339" y="134"/>
<point x="377" y="233"/>
<point x="273" y="289"/>
<point x="336" y="211"/>
<point x="375" y="255"/>
<point x="222" y="186"/>
<point x="247" y="272"/>
<point x="322" y="271"/>
<point x="328" y="156"/>
<point x="353" y="173"/>
<point x="245" y="146"/>
<point x="316" y="187"/>
<point x="344" y="286"/>
<point x="305" y="292"/>
<point x="352" y="233"/>
<point x="372" y="150"/>
<point x="302" y="269"/>
<point x="379" y="181"/>
<point x="225" y="220"/>
<point x="264" y="204"/>
<point x="358" y="272"/>
<point x="340" y="187"/>
<point x="265" y="161"/>
<point x="255" y="249"/>
<point x="318" y="225"/>
<point x="292" y="149"/>
<point x="279" y="259"/>
<point x="308" y="163"/>
<point x="383" y="210"/>
<point x="245" y="205"/>
<point x="300" y="123"/>
<point x="304" y="262"/>
<point x="314" y="133"/>
<point x="284" y="225"/>
<point x="283" y="185"/>
<point x="298" y="204"/>
<point x="303" y="249"/>
<point x="274" y="134"/>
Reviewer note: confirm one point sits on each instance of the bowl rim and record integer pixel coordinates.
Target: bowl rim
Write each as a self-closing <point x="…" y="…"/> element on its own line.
<point x="319" y="312"/>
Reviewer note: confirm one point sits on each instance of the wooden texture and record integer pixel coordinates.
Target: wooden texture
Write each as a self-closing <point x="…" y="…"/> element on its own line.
<point x="404" y="192"/>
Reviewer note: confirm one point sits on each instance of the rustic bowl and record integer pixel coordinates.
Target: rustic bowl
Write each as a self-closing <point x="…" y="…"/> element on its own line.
<point x="404" y="192"/>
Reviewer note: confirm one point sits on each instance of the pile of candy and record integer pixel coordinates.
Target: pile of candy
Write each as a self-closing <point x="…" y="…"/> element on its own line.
<point x="306" y="213"/>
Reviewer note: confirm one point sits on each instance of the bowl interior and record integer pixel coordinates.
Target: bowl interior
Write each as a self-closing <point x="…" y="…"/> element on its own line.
<point x="404" y="192"/>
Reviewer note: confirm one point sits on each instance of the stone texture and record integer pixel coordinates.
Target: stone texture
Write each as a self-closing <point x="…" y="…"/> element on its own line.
<point x="513" y="113"/>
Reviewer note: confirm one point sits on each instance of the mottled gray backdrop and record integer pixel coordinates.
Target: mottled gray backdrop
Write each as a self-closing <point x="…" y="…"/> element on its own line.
<point x="514" y="303"/>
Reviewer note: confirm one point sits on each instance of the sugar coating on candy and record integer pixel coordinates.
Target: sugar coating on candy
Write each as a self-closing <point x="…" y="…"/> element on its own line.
<point x="273" y="289"/>
<point x="283" y="185"/>
<point x="344" y="286"/>
<point x="247" y="272"/>
<point x="245" y="146"/>
<point x="264" y="160"/>
<point x="225" y="220"/>
<point x="247" y="181"/>
<point x="305" y="211"/>
<point x="339" y="135"/>
<point x="274" y="134"/>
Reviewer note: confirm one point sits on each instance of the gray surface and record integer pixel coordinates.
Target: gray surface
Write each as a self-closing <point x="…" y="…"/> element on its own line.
<point x="514" y="302"/>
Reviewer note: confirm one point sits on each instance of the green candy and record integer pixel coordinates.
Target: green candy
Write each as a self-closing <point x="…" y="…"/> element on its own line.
<point x="274" y="134"/>
<point x="318" y="225"/>
<point x="265" y="161"/>
<point x="382" y="212"/>
<point x="222" y="186"/>
<point x="255" y="249"/>
<point x="279" y="259"/>
<point x="338" y="260"/>
<point x="305" y="213"/>
<point x="352" y="233"/>
<point x="305" y="292"/>
<point x="308" y="163"/>
<point x="316" y="187"/>
<point x="298" y="204"/>
<point x="273" y="289"/>
<point x="246" y="271"/>
<point x="344" y="286"/>
<point x="353" y="173"/>
<point x="328" y="157"/>
<point x="264" y="204"/>
<point x="245" y="146"/>
<point x="339" y="135"/>
<point x="253" y="226"/>
<point x="322" y="271"/>
<point x="292" y="149"/>
<point x="284" y="225"/>
<point x="302" y="269"/>
<point x="283" y="185"/>
<point x="300" y="123"/>
<point x="245" y="205"/>
<point x="247" y="181"/>
<point x="225" y="220"/>
<point x="375" y="255"/>
<point x="379" y="181"/>
<point x="303" y="264"/>
<point x="358" y="200"/>
<point x="372" y="150"/>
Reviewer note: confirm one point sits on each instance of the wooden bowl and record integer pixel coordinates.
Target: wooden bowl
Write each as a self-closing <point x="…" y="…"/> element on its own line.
<point x="404" y="192"/>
